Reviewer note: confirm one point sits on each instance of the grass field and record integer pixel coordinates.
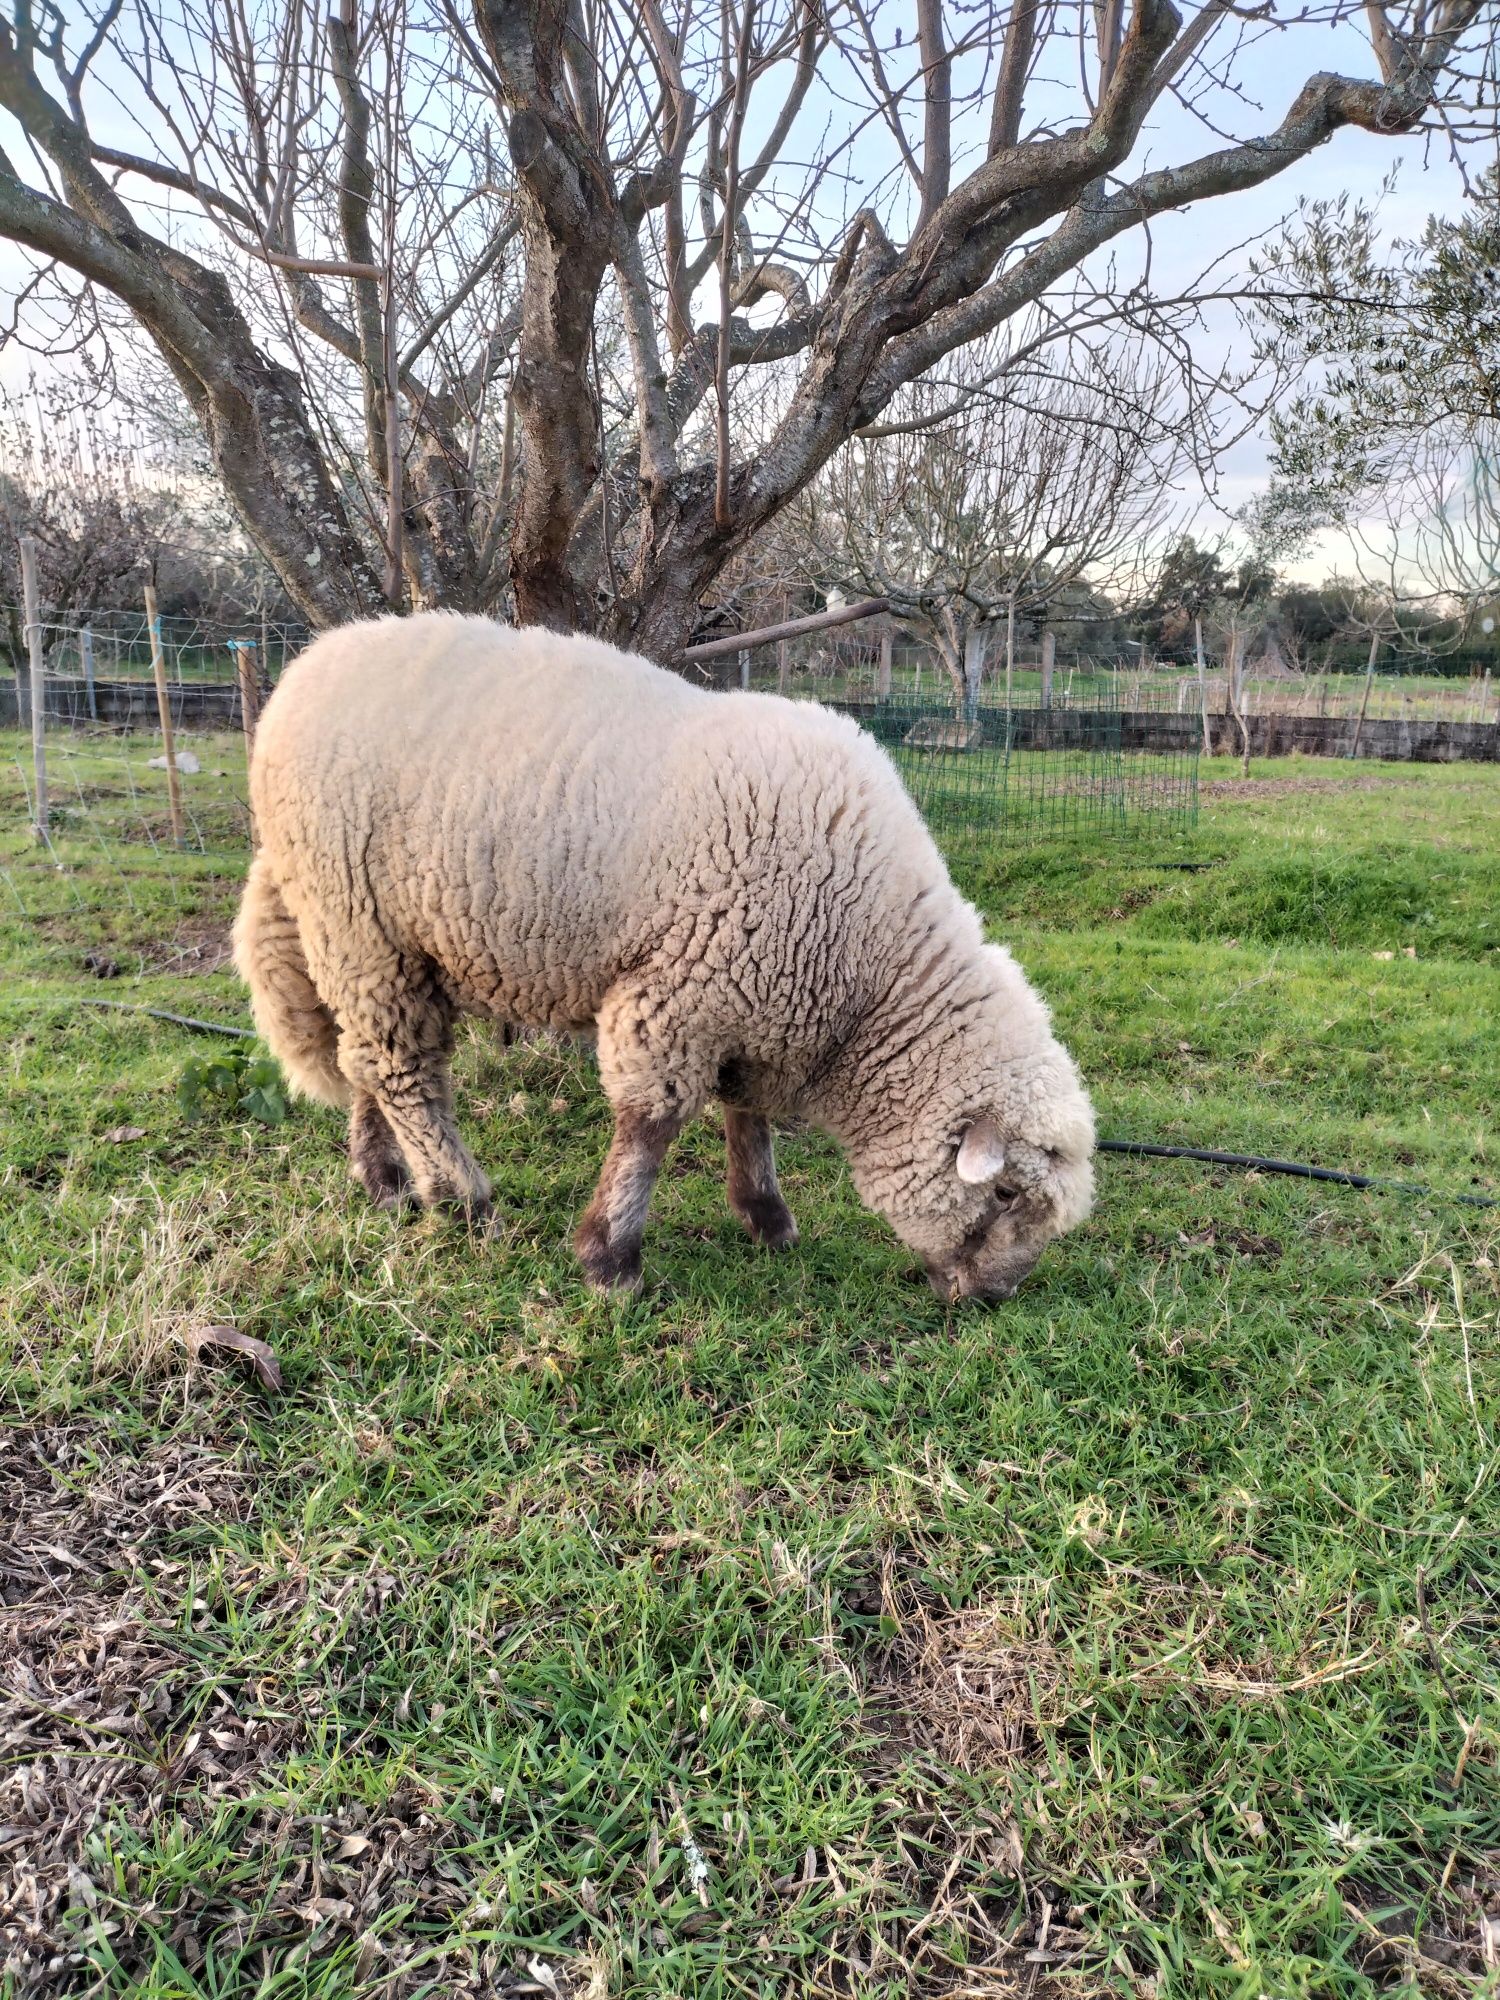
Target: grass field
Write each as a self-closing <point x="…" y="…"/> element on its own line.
<point x="776" y="1632"/>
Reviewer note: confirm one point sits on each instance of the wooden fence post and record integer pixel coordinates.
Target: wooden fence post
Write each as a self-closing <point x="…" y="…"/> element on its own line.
<point x="38" y="684"/>
<point x="883" y="680"/>
<point x="164" y="710"/>
<point x="1049" y="664"/>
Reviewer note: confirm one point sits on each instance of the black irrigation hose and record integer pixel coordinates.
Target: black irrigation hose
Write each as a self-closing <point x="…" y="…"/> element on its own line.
<point x="1141" y="1149"/>
<point x="181" y="1020"/>
<point x="1137" y="1148"/>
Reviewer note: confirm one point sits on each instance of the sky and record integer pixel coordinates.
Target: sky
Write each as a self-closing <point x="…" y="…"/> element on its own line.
<point x="1269" y="69"/>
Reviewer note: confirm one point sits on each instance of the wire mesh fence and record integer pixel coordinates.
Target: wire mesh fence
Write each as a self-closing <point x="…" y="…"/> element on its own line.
<point x="104" y="878"/>
<point x="848" y="664"/>
<point x="108" y="859"/>
<point x="100" y="665"/>
<point x="118" y="868"/>
<point x="1051" y="746"/>
<point x="1016" y="773"/>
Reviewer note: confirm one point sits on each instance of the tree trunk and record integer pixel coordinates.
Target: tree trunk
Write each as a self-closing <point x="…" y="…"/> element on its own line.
<point x="1202" y="683"/>
<point x="973" y="668"/>
<point x="1364" y="700"/>
<point x="1237" y="696"/>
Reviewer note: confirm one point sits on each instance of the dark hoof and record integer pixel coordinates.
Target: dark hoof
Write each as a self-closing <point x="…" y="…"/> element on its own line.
<point x="607" y="1268"/>
<point x="386" y="1190"/>
<point x="769" y="1222"/>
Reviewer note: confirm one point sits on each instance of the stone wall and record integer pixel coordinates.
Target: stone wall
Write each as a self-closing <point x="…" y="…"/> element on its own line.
<point x="1400" y="741"/>
<point x="126" y="704"/>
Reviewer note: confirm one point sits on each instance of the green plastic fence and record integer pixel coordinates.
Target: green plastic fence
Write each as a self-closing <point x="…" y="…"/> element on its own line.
<point x="999" y="773"/>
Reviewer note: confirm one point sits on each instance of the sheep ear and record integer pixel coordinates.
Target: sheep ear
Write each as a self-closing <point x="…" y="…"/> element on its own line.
<point x="982" y="1154"/>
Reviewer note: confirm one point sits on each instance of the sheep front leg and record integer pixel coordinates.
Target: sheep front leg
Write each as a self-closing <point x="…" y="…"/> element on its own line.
<point x="657" y="1075"/>
<point x="608" y="1239"/>
<point x="754" y="1194"/>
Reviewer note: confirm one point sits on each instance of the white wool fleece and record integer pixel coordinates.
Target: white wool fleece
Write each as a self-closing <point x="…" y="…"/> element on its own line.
<point x="736" y="890"/>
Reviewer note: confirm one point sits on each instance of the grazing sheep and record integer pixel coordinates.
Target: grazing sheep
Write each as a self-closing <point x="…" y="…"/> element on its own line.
<point x="732" y="892"/>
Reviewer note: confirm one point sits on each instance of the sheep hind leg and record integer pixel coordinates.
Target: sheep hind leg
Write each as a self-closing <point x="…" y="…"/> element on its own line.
<point x="375" y="1159"/>
<point x="754" y="1194"/>
<point x="407" y="1078"/>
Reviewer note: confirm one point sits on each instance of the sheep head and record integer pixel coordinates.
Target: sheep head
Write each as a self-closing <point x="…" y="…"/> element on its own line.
<point x="1018" y="1197"/>
<point x="982" y="1153"/>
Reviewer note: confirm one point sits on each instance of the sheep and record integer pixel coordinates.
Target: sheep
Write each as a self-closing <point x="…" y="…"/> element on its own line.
<point x="732" y="893"/>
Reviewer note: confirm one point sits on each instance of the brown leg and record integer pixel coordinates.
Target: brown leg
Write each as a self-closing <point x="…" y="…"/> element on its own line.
<point x="374" y="1156"/>
<point x="608" y="1239"/>
<point x="753" y="1193"/>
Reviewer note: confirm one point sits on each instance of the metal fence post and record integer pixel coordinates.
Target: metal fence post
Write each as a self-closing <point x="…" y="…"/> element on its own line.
<point x="38" y="684"/>
<point x="245" y="660"/>
<point x="164" y="710"/>
<point x="973" y="670"/>
<point x="86" y="648"/>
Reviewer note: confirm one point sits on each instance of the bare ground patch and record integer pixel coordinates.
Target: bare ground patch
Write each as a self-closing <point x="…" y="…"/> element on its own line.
<point x="962" y="1691"/>
<point x="199" y="945"/>
<point x="1215" y="789"/>
<point x="1451" y="1954"/>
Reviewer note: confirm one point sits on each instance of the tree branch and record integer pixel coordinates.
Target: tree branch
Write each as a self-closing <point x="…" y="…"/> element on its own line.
<point x="937" y="131"/>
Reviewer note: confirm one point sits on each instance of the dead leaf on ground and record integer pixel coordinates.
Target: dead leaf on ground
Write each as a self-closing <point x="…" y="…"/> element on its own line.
<point x="263" y="1362"/>
<point x="121" y="1135"/>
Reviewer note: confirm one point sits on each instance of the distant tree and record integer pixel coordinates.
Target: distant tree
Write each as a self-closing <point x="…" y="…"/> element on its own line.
<point x="975" y="511"/>
<point x="71" y="487"/>
<point x="1189" y="580"/>
<point x="1311" y="616"/>
<point x="1396" y="440"/>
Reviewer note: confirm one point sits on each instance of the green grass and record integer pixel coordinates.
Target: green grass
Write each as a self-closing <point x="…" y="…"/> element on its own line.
<point x="1148" y="1623"/>
<point x="1452" y="697"/>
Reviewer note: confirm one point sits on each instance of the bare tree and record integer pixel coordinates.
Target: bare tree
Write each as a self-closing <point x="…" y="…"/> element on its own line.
<point x="96" y="525"/>
<point x="468" y="307"/>
<point x="1427" y="540"/>
<point x="974" y="506"/>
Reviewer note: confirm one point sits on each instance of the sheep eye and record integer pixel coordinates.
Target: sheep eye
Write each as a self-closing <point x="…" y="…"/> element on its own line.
<point x="1007" y="1197"/>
